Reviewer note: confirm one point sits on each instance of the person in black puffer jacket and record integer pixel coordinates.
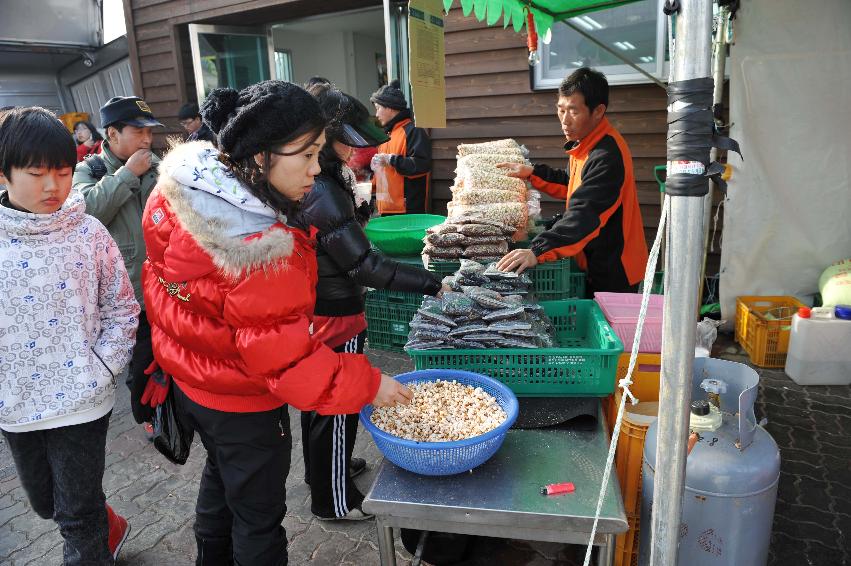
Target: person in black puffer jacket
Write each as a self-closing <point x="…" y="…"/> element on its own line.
<point x="347" y="263"/>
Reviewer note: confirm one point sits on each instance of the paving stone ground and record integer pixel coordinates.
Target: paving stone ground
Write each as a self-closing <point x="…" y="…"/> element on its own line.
<point x="812" y="426"/>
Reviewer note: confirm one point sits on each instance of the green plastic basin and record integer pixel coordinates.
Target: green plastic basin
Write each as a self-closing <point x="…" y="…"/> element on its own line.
<point x="403" y="234"/>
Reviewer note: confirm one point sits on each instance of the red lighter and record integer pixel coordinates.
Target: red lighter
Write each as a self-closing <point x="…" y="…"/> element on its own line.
<point x="558" y="488"/>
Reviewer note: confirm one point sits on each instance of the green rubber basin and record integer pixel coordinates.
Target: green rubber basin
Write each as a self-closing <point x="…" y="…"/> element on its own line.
<point x="402" y="234"/>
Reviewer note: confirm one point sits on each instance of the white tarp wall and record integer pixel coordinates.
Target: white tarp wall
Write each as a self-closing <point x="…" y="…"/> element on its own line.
<point x="788" y="212"/>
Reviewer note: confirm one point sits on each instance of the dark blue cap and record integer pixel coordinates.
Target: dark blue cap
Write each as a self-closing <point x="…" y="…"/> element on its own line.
<point x="130" y="110"/>
<point x="843" y="312"/>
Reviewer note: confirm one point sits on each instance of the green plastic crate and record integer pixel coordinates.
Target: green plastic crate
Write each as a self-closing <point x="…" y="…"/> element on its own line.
<point x="584" y="363"/>
<point x="552" y="281"/>
<point x="388" y="317"/>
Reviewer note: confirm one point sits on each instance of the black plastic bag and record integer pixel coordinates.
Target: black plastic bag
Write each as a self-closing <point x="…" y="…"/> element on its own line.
<point x="171" y="437"/>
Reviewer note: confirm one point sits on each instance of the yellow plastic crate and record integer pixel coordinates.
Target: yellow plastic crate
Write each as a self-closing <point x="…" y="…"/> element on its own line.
<point x="645" y="382"/>
<point x="763" y="325"/>
<point x="626" y="545"/>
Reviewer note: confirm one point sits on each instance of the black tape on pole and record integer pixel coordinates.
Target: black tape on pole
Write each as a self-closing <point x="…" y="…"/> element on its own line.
<point x="671" y="7"/>
<point x="691" y="135"/>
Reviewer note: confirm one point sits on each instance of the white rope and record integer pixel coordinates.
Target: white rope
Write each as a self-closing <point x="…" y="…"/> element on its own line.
<point x="624" y="383"/>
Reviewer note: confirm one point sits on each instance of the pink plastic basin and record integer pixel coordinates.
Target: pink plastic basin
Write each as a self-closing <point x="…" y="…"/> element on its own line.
<point x="621" y="310"/>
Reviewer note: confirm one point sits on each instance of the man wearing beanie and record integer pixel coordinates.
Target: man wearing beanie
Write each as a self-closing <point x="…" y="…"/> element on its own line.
<point x="405" y="160"/>
<point x="190" y="120"/>
<point x="116" y="184"/>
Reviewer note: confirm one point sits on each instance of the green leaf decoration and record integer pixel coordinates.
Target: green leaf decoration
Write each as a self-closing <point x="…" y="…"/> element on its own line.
<point x="480" y="8"/>
<point x="543" y="22"/>
<point x="518" y="16"/>
<point x="494" y="11"/>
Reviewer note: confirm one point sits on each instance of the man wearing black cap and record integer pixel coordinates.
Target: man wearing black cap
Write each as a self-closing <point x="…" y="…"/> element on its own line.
<point x="190" y="120"/>
<point x="405" y="159"/>
<point x="116" y="184"/>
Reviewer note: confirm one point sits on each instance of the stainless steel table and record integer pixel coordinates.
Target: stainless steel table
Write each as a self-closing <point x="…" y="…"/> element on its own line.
<point x="502" y="497"/>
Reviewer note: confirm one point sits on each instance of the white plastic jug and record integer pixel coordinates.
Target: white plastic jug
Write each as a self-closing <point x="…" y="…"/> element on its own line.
<point x="819" y="352"/>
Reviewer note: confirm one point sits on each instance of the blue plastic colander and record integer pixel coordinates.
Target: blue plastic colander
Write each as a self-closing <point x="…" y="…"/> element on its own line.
<point x="445" y="458"/>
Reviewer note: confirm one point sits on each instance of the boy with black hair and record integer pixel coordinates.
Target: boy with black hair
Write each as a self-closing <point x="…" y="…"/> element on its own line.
<point x="69" y="318"/>
<point x="602" y="226"/>
<point x="116" y="184"/>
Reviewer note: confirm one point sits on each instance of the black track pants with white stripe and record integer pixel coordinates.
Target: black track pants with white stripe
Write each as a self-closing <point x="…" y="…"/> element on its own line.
<point x="328" y="441"/>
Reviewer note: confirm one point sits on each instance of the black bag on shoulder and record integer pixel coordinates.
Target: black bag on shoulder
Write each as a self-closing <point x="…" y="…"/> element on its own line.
<point x="171" y="437"/>
<point x="96" y="165"/>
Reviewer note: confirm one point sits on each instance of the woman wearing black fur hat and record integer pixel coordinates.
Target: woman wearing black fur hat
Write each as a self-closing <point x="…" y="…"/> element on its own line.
<point x="405" y="158"/>
<point x="347" y="263"/>
<point x="230" y="290"/>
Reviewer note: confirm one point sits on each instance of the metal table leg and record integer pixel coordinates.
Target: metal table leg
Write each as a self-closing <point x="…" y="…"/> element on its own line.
<point x="606" y="556"/>
<point x="386" y="546"/>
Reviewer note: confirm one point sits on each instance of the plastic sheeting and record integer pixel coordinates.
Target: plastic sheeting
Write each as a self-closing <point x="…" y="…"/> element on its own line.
<point x="788" y="212"/>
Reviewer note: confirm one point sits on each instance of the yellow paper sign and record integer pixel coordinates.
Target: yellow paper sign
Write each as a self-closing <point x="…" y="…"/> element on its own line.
<point x="426" y="56"/>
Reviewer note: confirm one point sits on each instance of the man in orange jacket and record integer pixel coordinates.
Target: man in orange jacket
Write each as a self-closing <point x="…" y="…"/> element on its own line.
<point x="405" y="158"/>
<point x="602" y="226"/>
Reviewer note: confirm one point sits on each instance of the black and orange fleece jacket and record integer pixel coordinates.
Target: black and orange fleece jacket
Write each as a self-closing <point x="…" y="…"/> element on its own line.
<point x="602" y="226"/>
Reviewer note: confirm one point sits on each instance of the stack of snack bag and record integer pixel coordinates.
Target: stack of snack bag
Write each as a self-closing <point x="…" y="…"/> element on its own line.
<point x="468" y="237"/>
<point x="486" y="308"/>
<point x="487" y="206"/>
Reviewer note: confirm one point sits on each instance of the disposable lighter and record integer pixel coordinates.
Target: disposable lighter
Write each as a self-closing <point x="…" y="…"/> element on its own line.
<point x="558" y="488"/>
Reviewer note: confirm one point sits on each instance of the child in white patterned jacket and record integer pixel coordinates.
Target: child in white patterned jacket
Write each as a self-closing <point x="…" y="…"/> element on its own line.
<point x="68" y="320"/>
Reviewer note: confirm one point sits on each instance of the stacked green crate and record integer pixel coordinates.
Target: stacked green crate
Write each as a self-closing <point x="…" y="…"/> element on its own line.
<point x="388" y="314"/>
<point x="552" y="281"/>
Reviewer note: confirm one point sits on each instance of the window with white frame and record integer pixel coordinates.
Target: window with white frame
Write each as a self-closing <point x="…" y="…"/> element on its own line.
<point x="284" y="65"/>
<point x="636" y="31"/>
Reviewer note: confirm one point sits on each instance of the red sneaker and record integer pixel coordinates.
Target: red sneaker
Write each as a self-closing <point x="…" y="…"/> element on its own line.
<point x="119" y="530"/>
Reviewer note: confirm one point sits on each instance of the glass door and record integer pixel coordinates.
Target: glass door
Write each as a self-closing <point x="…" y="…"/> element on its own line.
<point x="396" y="42"/>
<point x="228" y="56"/>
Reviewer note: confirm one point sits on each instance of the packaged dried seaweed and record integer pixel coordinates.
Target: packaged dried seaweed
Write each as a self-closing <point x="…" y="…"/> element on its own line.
<point x="456" y="304"/>
<point x="425" y="345"/>
<point x="510" y="312"/>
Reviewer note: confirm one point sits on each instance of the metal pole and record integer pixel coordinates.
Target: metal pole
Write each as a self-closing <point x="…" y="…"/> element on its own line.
<point x="692" y="59"/>
<point x="719" y="60"/>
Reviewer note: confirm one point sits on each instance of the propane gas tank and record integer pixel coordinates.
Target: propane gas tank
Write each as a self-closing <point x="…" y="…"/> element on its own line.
<point x="731" y="473"/>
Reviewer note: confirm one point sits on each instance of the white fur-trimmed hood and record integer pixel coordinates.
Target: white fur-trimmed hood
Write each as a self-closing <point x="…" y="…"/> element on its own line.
<point x="220" y="212"/>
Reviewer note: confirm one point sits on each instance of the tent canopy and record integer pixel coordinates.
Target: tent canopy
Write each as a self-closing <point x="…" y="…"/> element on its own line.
<point x="545" y="12"/>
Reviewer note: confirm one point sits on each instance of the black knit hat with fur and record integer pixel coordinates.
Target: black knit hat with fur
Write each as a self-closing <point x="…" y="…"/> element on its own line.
<point x="390" y="96"/>
<point x="253" y="119"/>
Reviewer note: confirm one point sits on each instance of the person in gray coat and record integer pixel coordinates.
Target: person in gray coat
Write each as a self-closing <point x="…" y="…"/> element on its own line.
<point x="116" y="184"/>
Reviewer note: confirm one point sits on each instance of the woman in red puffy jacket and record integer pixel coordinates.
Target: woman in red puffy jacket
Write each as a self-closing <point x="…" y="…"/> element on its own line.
<point x="230" y="290"/>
